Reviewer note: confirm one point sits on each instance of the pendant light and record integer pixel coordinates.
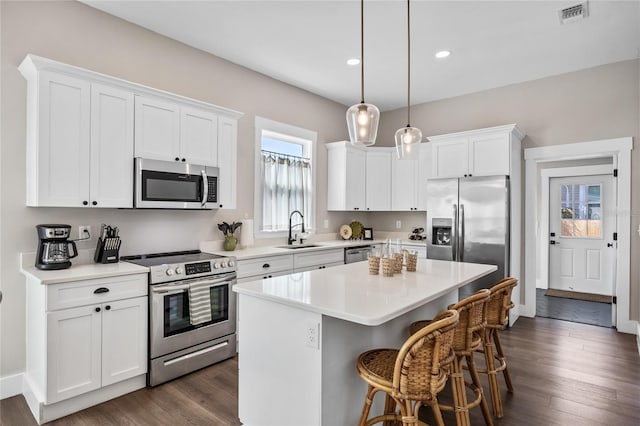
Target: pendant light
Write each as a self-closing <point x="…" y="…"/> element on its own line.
<point x="362" y="118"/>
<point x="408" y="138"/>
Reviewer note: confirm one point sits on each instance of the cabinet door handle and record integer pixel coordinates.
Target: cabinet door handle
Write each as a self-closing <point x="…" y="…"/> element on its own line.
<point x="84" y="203"/>
<point x="101" y="290"/>
<point x="97" y="309"/>
<point x="177" y="159"/>
<point x="184" y="159"/>
<point x="108" y="307"/>
<point x="266" y="265"/>
<point x="220" y="205"/>
<point x="95" y="203"/>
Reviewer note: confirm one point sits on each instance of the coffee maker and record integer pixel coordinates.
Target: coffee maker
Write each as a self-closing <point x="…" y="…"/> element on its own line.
<point x="53" y="247"/>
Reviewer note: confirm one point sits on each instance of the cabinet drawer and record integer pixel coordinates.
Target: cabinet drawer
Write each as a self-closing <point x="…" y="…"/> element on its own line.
<point x="264" y="265"/>
<point x="80" y="293"/>
<point x="304" y="260"/>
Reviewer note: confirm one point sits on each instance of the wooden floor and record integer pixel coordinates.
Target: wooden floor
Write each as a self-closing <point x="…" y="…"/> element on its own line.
<point x="564" y="374"/>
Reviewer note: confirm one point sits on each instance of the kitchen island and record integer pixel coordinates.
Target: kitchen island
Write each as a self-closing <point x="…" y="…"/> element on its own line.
<point x="300" y="335"/>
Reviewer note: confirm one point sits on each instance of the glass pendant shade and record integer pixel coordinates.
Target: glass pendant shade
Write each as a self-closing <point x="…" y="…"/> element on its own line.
<point x="408" y="141"/>
<point x="362" y="121"/>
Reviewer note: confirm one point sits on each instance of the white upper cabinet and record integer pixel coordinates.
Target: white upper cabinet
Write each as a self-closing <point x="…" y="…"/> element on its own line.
<point x="483" y="152"/>
<point x="227" y="159"/>
<point x="157" y="129"/>
<point x="373" y="179"/>
<point x="84" y="129"/>
<point x="378" y="175"/>
<point x="171" y="132"/>
<point x="111" y="147"/>
<point x="404" y="193"/>
<point x="79" y="142"/>
<point x="346" y="177"/>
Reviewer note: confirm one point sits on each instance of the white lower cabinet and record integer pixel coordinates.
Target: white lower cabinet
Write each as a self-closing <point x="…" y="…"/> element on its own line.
<point x="264" y="267"/>
<point x="82" y="337"/>
<point x="318" y="260"/>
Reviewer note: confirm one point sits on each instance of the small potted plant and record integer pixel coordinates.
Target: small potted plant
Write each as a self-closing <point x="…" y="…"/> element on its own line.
<point x="230" y="241"/>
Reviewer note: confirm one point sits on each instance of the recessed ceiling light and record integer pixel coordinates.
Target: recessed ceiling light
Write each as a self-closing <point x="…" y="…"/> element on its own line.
<point x="443" y="54"/>
<point x="353" y="61"/>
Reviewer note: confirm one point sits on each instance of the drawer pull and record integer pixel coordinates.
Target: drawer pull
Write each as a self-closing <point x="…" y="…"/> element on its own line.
<point x="101" y="290"/>
<point x="97" y="309"/>
<point x="266" y="265"/>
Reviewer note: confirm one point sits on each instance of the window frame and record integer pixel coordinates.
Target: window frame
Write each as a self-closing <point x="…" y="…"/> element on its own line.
<point x="289" y="133"/>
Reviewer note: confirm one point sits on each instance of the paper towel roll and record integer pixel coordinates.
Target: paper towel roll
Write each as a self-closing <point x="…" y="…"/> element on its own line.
<point x="246" y="233"/>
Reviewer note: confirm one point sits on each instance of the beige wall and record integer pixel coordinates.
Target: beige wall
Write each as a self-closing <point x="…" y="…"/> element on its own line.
<point x="593" y="104"/>
<point x="76" y="34"/>
<point x="599" y="103"/>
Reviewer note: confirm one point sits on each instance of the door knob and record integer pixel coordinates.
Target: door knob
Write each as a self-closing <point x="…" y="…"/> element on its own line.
<point x="554" y="242"/>
<point x="609" y="244"/>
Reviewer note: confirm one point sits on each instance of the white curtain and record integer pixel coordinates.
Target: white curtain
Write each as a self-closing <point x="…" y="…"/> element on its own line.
<point x="286" y="187"/>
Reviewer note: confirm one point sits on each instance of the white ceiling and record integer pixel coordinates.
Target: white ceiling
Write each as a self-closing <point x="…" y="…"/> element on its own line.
<point x="306" y="43"/>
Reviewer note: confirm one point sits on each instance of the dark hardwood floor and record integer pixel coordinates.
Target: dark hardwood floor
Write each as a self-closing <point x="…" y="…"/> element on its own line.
<point x="564" y="374"/>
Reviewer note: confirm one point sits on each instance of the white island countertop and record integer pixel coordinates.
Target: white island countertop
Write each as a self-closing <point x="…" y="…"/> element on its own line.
<point x="349" y="293"/>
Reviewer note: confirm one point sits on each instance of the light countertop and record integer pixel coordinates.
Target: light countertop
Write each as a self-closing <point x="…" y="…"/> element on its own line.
<point x="78" y="271"/>
<point x="349" y="293"/>
<point x="257" y="251"/>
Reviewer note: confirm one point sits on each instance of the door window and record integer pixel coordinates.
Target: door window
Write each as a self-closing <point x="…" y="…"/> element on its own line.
<point x="581" y="210"/>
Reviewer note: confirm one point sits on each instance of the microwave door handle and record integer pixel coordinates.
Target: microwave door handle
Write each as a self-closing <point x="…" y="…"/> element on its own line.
<point x="205" y="188"/>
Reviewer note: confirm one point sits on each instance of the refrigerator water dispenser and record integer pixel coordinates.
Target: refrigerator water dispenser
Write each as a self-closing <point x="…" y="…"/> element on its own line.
<point x="441" y="232"/>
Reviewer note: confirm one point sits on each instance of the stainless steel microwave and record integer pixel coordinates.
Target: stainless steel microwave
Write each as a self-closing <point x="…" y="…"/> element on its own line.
<point x="174" y="185"/>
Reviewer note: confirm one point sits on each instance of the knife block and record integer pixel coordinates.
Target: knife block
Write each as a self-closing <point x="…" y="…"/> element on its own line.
<point x="107" y="250"/>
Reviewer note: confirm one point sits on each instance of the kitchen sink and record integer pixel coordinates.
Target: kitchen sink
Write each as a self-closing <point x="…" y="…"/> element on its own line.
<point x="298" y="246"/>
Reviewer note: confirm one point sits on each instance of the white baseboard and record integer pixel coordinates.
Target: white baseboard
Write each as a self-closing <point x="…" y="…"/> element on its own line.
<point x="10" y="386"/>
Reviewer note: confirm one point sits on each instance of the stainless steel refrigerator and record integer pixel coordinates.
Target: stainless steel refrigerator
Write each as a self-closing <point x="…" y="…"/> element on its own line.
<point x="468" y="221"/>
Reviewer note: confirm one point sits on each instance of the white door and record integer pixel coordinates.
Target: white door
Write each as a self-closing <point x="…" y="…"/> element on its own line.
<point x="124" y="339"/>
<point x="356" y="179"/>
<point x="227" y="159"/>
<point x="74" y="354"/>
<point x="198" y="136"/>
<point x="378" y="175"/>
<point x="111" y="147"/>
<point x="450" y="158"/>
<point x="581" y="225"/>
<point x="404" y="176"/>
<point x="157" y="129"/>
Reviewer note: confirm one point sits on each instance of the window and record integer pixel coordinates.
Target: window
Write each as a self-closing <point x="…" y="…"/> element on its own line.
<point x="285" y="177"/>
<point x="581" y="211"/>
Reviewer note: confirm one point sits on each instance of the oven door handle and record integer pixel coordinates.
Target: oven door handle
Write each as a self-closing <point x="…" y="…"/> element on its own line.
<point x="169" y="288"/>
<point x="215" y="282"/>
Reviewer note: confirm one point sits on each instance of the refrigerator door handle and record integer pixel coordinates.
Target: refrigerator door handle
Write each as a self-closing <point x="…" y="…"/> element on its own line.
<point x="454" y="237"/>
<point x="461" y="238"/>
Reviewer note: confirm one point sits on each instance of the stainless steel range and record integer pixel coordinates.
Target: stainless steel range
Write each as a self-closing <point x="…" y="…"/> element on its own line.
<point x="192" y="311"/>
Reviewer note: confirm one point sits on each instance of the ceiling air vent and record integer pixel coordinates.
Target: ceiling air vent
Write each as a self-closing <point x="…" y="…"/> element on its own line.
<point x="573" y="13"/>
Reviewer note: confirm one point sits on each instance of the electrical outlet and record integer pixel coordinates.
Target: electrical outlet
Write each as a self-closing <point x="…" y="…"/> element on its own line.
<point x="311" y="338"/>
<point x="398" y="224"/>
<point x="84" y="233"/>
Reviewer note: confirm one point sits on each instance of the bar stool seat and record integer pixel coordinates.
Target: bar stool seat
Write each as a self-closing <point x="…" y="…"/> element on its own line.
<point x="411" y="376"/>
<point x="467" y="340"/>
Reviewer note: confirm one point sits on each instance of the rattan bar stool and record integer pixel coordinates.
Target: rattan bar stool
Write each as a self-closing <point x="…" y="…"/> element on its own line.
<point x="467" y="339"/>
<point x="412" y="376"/>
<point x="497" y="318"/>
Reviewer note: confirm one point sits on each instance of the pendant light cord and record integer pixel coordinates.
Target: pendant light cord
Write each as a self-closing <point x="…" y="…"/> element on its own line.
<point x="408" y="64"/>
<point x="361" y="51"/>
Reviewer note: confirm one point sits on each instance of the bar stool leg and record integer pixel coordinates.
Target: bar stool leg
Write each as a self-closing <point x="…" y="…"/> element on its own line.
<point x="492" y="373"/>
<point x="437" y="413"/>
<point x="503" y="360"/>
<point x="459" y="394"/>
<point x="475" y="377"/>
<point x="371" y="391"/>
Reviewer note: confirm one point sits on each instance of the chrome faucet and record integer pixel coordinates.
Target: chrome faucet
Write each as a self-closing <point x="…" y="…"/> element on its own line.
<point x="291" y="240"/>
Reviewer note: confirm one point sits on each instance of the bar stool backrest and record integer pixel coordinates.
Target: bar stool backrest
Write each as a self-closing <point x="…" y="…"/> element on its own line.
<point x="418" y="367"/>
<point x="472" y="320"/>
<point x="500" y="303"/>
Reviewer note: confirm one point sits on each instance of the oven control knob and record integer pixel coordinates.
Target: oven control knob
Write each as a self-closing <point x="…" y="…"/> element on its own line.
<point x="169" y="272"/>
<point x="230" y="263"/>
<point x="216" y="266"/>
<point x="224" y="264"/>
<point x="179" y="270"/>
